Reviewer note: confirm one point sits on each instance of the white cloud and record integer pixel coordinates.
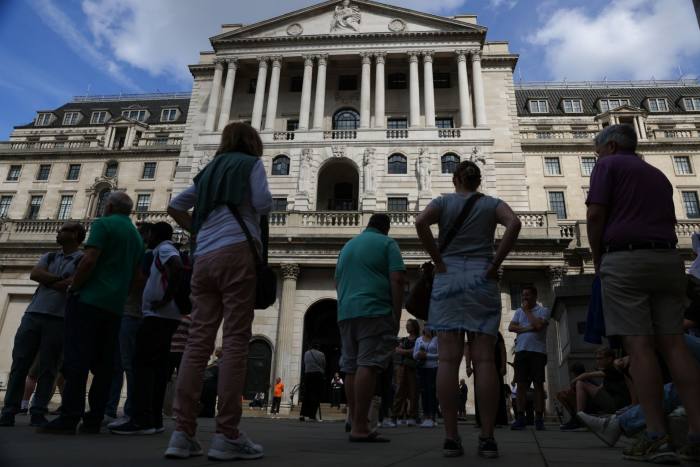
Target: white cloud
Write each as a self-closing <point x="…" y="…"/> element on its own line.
<point x="509" y="4"/>
<point x="628" y="39"/>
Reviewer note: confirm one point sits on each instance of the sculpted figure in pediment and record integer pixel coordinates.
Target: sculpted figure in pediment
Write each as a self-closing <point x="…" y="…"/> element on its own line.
<point x="346" y="16"/>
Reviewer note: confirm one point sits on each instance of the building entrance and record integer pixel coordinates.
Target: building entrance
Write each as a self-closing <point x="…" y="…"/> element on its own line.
<point x="321" y="327"/>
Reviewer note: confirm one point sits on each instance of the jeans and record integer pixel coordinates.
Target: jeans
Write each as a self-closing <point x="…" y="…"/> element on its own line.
<point x="124" y="356"/>
<point x="632" y="421"/>
<point x="91" y="337"/>
<point x="427" y="378"/>
<point x="42" y="334"/>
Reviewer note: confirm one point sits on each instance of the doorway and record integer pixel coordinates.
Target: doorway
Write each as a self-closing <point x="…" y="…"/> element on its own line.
<point x="338" y="186"/>
<point x="257" y="378"/>
<point x="321" y="327"/>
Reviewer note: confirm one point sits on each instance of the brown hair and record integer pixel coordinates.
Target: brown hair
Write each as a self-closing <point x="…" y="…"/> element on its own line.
<point x="240" y="137"/>
<point x="468" y="175"/>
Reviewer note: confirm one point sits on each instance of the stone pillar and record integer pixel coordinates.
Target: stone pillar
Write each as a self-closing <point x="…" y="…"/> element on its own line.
<point x="479" y="100"/>
<point x="365" y="87"/>
<point x="379" y="91"/>
<point x="272" y="96"/>
<point x="414" y="90"/>
<point x="465" y="107"/>
<point x="428" y="89"/>
<point x="214" y="96"/>
<point x="320" y="100"/>
<point x="642" y="127"/>
<point x="256" y="120"/>
<point x="225" y="114"/>
<point x="305" y="105"/>
<point x="285" y="331"/>
<point x="637" y="130"/>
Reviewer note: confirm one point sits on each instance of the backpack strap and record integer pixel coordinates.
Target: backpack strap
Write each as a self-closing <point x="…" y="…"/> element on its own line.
<point x="460" y="220"/>
<point x="258" y="259"/>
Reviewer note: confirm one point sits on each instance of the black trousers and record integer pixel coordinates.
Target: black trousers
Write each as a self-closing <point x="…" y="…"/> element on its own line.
<point x="152" y="369"/>
<point x="313" y="389"/>
<point x="91" y="337"/>
<point x="275" y="405"/>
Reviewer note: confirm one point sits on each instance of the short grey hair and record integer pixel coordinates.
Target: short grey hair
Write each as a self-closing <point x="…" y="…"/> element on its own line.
<point x="623" y="135"/>
<point x="121" y="202"/>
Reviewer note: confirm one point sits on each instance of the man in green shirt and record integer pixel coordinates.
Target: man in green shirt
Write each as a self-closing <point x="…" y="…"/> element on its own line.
<point x="369" y="280"/>
<point x="96" y="301"/>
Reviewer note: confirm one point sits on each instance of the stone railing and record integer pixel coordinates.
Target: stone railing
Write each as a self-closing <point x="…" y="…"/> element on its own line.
<point x="330" y="218"/>
<point x="283" y="135"/>
<point x="396" y="133"/>
<point x="449" y="133"/>
<point x="151" y="216"/>
<point x="340" y="134"/>
<point x="660" y="133"/>
<point x="176" y="141"/>
<point x="687" y="228"/>
<point x="572" y="135"/>
<point x="35" y="145"/>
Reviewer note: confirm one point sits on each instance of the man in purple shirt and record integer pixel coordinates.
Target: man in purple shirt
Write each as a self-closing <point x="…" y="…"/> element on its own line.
<point x="631" y="230"/>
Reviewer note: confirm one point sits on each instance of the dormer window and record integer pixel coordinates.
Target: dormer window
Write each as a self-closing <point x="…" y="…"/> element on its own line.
<point x="657" y="104"/>
<point x="138" y="115"/>
<point x="43" y="119"/>
<point x="539" y="106"/>
<point x="98" y="118"/>
<point x="611" y="104"/>
<point x="71" y="118"/>
<point x="168" y="115"/>
<point x="691" y="104"/>
<point x="572" y="106"/>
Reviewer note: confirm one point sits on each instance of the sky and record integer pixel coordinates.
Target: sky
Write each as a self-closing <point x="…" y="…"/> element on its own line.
<point x="53" y="50"/>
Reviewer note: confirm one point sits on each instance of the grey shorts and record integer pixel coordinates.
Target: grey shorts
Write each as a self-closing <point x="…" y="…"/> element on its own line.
<point x="367" y="342"/>
<point x="643" y="292"/>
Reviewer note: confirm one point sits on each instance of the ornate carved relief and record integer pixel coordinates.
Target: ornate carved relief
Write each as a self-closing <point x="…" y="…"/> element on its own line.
<point x="304" y="185"/>
<point x="295" y="29"/>
<point x="290" y="271"/>
<point x="346" y="17"/>
<point x="424" y="170"/>
<point x="397" y="25"/>
<point x="368" y="170"/>
<point x="338" y="151"/>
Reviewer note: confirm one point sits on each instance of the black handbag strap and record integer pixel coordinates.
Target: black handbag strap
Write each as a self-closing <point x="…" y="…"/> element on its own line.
<point x="264" y="233"/>
<point x="460" y="220"/>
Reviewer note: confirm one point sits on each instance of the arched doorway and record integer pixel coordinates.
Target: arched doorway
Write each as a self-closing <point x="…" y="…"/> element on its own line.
<point x="338" y="186"/>
<point x="321" y="326"/>
<point x="257" y="378"/>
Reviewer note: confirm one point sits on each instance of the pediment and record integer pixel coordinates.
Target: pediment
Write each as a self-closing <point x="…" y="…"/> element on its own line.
<point x="343" y="17"/>
<point x="120" y="120"/>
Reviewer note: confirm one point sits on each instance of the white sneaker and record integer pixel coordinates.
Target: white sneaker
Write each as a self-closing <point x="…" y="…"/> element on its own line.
<point x="427" y="423"/>
<point x="225" y="449"/>
<point x="607" y="429"/>
<point x="182" y="446"/>
<point x="120" y="421"/>
<point x="388" y="424"/>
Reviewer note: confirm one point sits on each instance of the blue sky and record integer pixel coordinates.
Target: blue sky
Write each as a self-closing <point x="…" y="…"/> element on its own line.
<point x="55" y="49"/>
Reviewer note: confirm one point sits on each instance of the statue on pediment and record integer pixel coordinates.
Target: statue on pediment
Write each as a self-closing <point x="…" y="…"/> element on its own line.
<point x="346" y="16"/>
<point x="477" y="158"/>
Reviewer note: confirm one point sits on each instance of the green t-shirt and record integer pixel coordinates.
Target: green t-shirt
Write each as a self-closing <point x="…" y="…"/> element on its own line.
<point x="362" y="275"/>
<point x="121" y="250"/>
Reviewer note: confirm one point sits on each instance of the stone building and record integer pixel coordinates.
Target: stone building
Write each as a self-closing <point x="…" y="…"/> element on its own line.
<point x="362" y="107"/>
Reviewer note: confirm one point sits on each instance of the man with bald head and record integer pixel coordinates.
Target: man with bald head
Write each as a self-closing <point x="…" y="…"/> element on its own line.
<point x="96" y="301"/>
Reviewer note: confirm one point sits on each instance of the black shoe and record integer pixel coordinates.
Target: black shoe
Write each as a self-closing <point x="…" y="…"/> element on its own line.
<point x="7" y="419"/>
<point x="452" y="448"/>
<point x="348" y="427"/>
<point x="131" y="428"/>
<point x="38" y="419"/>
<point x="488" y="448"/>
<point x="57" y="426"/>
<point x="89" y="429"/>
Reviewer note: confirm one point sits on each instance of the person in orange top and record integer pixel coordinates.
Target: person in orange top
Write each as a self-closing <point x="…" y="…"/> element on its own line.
<point x="277" y="396"/>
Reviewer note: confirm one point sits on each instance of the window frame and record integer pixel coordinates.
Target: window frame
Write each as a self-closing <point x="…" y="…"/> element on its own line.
<point x="538" y="102"/>
<point x="5" y="207"/>
<point x="623" y="101"/>
<point x="394" y="200"/>
<point x="657" y="100"/>
<point x="438" y="121"/>
<point x="149" y="164"/>
<point x="9" y="172"/>
<point x="97" y="121"/>
<point x="685" y="203"/>
<point x="694" y="104"/>
<point x="348" y="110"/>
<point x="443" y="162"/>
<point x="276" y="203"/>
<point x="582" y="165"/>
<point x="573" y="109"/>
<point x="275" y="165"/>
<point x="71" y="118"/>
<point x="678" y="172"/>
<point x="397" y="123"/>
<point x="31" y="215"/>
<point x="400" y="160"/>
<point x="561" y="191"/>
<point x="546" y="167"/>
<point x="138" y="205"/>
<point x="107" y="165"/>
<point x="43" y="119"/>
<point x="292" y="124"/>
<point x="39" y="171"/>
<point x="169" y="111"/>
<point x="128" y="113"/>
<point x="69" y="172"/>
<point x="61" y="214"/>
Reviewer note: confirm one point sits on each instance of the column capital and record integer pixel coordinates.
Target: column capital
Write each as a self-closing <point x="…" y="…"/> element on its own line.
<point x="232" y="63"/>
<point x="427" y="55"/>
<point x="380" y="57"/>
<point x="276" y="60"/>
<point x="219" y="63"/>
<point x="366" y="57"/>
<point x="308" y="60"/>
<point x="262" y="61"/>
<point x="461" y="55"/>
<point x="322" y="59"/>
<point x="476" y="56"/>
<point x="413" y="56"/>
<point x="556" y="274"/>
<point x="290" y="271"/>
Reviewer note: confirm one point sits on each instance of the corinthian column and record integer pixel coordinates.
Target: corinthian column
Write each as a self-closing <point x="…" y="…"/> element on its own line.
<point x="273" y="94"/>
<point x="214" y="97"/>
<point x="285" y="327"/>
<point x="320" y="100"/>
<point x="428" y="88"/>
<point x="306" y="93"/>
<point x="256" y="120"/>
<point x="414" y="89"/>
<point x="365" y="89"/>
<point x="479" y="101"/>
<point x="225" y="114"/>
<point x="465" y="111"/>
<point x="379" y="90"/>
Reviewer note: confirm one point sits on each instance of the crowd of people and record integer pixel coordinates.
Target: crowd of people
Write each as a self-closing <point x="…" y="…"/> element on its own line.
<point x="131" y="303"/>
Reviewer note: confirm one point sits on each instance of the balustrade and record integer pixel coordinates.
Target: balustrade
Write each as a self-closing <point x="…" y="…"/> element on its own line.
<point x="449" y="133"/>
<point x="283" y="135"/>
<point x="340" y="134"/>
<point x="396" y="133"/>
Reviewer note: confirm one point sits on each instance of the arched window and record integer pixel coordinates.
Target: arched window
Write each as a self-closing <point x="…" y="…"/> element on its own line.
<point x="111" y="169"/>
<point x="449" y="163"/>
<point x="346" y="119"/>
<point x="280" y="165"/>
<point x="397" y="164"/>
<point x="101" y="201"/>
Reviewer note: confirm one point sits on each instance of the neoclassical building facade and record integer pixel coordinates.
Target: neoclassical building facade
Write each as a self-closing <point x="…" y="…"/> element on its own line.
<point x="362" y="107"/>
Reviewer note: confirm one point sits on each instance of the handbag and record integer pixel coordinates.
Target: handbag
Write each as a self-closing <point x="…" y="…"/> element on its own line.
<point x="418" y="302"/>
<point x="266" y="279"/>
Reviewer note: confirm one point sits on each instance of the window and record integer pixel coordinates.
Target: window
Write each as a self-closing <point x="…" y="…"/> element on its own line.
<point x="396" y="123"/>
<point x="557" y="204"/>
<point x="610" y="104"/>
<point x="552" y="166"/>
<point x="397" y="164"/>
<point x="539" y="106"/>
<point x="347" y="83"/>
<point x="572" y="106"/>
<point x="111" y="169"/>
<point x="682" y="165"/>
<point x="280" y="165"/>
<point x="296" y="83"/>
<point x="34" y="206"/>
<point x="292" y="125"/>
<point x="43" y="173"/>
<point x="252" y="85"/>
<point x="43" y="119"/>
<point x="441" y="80"/>
<point x="65" y="207"/>
<point x="138" y="115"/>
<point x="98" y="118"/>
<point x="143" y="202"/>
<point x="73" y="172"/>
<point x="346" y="119"/>
<point x="149" y="170"/>
<point x="14" y="173"/>
<point x="101" y="202"/>
<point x="396" y="81"/>
<point x="168" y="115"/>
<point x="5" y="202"/>
<point x="657" y="104"/>
<point x="397" y="204"/>
<point x="691" y="104"/>
<point x="71" y="118"/>
<point x="587" y="164"/>
<point x="444" y="122"/>
<point x="279" y="204"/>
<point x="449" y="163"/>
<point x="692" y="207"/>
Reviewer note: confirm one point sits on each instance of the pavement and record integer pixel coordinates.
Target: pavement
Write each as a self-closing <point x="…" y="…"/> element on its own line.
<point x="288" y="442"/>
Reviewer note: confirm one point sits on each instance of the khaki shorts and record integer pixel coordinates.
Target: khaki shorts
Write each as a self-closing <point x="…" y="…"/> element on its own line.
<point x="367" y="342"/>
<point x="643" y="292"/>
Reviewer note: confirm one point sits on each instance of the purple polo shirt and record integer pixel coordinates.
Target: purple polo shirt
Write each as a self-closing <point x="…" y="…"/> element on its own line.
<point x="639" y="199"/>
